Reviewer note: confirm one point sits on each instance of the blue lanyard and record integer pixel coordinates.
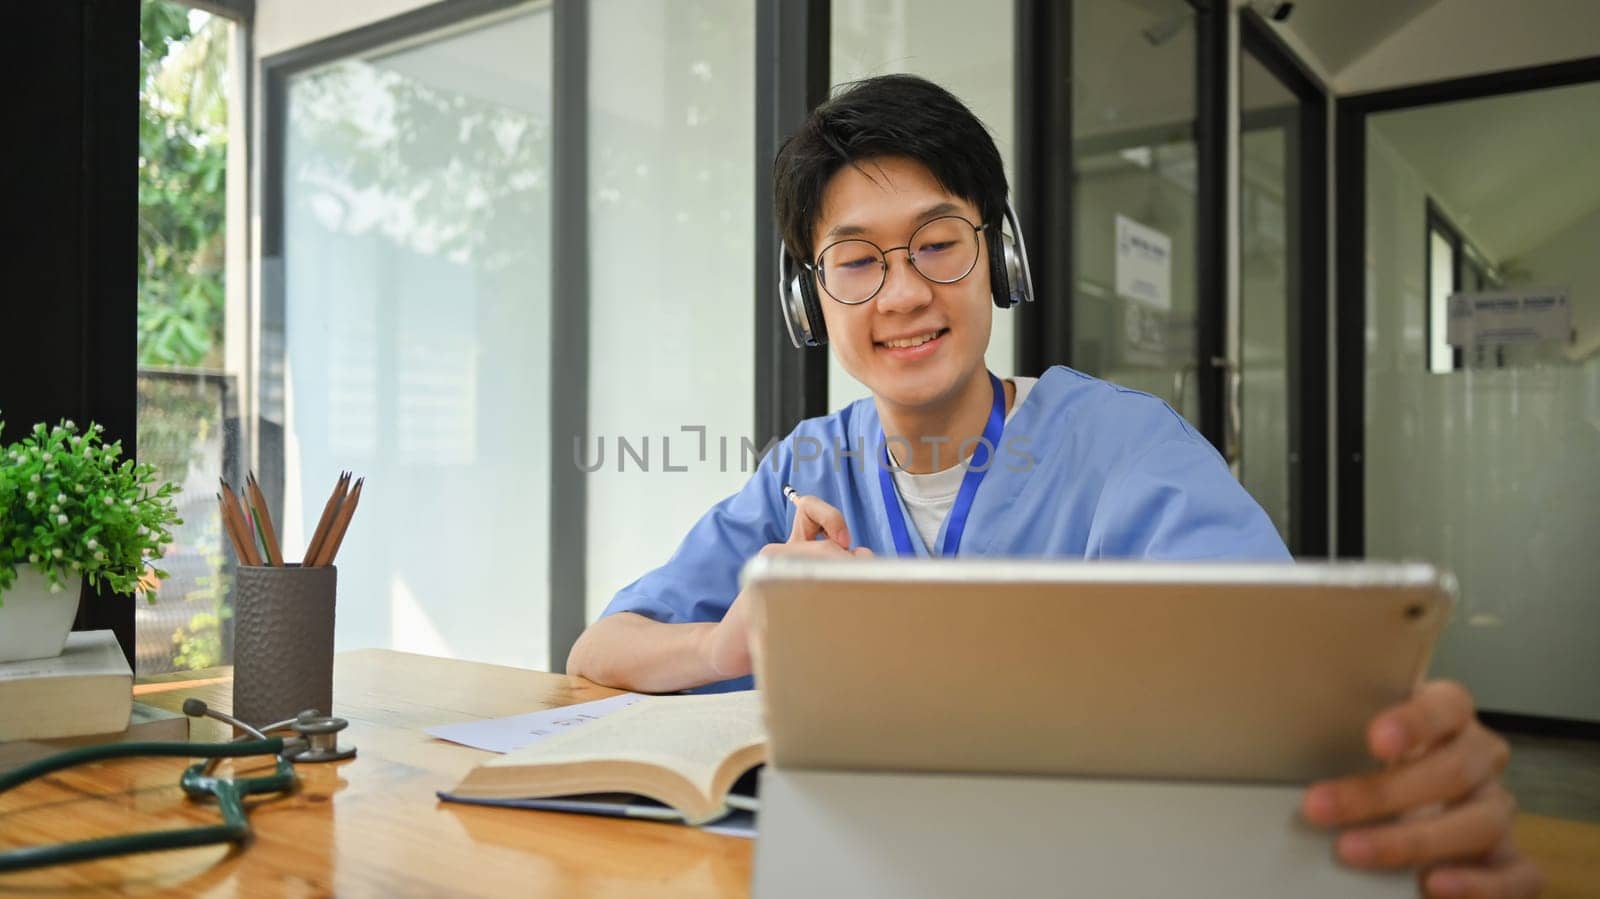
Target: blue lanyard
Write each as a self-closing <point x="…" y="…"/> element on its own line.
<point x="976" y="469"/>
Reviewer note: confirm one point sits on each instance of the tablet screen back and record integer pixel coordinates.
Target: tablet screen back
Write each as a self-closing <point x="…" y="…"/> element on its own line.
<point x="1175" y="670"/>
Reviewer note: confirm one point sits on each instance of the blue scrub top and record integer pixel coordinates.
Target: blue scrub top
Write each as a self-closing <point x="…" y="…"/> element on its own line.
<point x="1085" y="469"/>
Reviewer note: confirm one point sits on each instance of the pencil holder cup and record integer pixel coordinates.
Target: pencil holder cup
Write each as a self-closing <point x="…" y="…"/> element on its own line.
<point x="282" y="642"/>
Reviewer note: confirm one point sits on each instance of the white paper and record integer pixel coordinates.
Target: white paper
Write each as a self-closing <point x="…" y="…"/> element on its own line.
<point x="517" y="731"/>
<point x="1519" y="316"/>
<point x="1144" y="264"/>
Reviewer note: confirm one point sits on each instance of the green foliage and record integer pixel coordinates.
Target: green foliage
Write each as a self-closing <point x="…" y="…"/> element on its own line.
<point x="183" y="134"/>
<point x="198" y="644"/>
<point x="176" y="417"/>
<point x="70" y="505"/>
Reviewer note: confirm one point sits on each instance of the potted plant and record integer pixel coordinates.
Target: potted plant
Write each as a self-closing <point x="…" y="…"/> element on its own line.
<point x="71" y="508"/>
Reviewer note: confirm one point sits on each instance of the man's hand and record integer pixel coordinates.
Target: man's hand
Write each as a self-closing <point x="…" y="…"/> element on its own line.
<point x="1442" y="780"/>
<point x="727" y="646"/>
<point x="814" y="518"/>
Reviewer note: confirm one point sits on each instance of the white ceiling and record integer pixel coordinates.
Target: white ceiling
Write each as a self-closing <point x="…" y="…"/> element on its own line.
<point x="1513" y="171"/>
<point x="1338" y="32"/>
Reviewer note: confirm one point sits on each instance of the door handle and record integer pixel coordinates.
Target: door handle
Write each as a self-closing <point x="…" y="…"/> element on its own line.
<point x="1233" y="420"/>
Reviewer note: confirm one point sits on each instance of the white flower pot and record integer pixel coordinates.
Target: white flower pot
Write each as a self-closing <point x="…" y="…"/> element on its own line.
<point x="33" y="621"/>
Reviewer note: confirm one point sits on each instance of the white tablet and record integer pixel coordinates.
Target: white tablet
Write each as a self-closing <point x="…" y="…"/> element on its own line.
<point x="1107" y="669"/>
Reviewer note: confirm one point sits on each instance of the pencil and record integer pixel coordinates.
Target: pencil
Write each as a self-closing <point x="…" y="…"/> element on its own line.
<point x="251" y="538"/>
<point x="264" y="520"/>
<point x="340" y="525"/>
<point x="227" y="527"/>
<point x="321" y="533"/>
<point x="236" y="515"/>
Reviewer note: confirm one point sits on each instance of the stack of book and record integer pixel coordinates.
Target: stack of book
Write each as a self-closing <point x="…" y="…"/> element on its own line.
<point x="81" y="697"/>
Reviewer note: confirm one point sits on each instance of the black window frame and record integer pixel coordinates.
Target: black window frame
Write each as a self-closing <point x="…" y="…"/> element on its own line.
<point x="1306" y="155"/>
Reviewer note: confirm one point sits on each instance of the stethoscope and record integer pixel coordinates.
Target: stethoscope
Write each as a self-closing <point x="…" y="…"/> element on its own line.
<point x="317" y="737"/>
<point x="315" y="740"/>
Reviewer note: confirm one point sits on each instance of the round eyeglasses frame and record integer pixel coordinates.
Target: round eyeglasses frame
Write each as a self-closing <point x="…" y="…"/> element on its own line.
<point x="883" y="260"/>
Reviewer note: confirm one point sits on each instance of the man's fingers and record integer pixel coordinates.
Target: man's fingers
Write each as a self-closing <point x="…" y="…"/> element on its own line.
<point x="1438" y="711"/>
<point x="812" y="517"/>
<point x="1470" y="830"/>
<point x="1444" y="775"/>
<point x="1516" y="877"/>
<point x="808" y="548"/>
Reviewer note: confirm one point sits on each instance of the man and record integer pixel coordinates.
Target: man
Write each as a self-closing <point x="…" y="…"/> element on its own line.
<point x="891" y="200"/>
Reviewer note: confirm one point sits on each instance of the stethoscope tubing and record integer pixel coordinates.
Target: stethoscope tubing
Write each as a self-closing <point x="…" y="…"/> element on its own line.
<point x="86" y="754"/>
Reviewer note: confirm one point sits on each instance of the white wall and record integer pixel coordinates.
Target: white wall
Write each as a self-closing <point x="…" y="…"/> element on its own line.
<point x="1456" y="38"/>
<point x="283" y="24"/>
<point x="1491" y="472"/>
<point x="1570" y="259"/>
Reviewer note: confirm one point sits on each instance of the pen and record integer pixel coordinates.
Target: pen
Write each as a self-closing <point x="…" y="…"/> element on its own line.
<point x="791" y="494"/>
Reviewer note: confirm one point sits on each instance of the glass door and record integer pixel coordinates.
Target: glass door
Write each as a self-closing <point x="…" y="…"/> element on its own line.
<point x="1276" y="374"/>
<point x="1135" y="197"/>
<point x="1480" y="446"/>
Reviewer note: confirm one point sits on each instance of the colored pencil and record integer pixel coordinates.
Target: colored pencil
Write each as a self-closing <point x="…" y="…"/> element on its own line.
<point x="269" y="537"/>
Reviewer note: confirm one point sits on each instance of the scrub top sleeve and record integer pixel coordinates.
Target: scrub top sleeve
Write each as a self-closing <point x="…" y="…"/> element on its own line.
<point x="701" y="579"/>
<point x="1178" y="501"/>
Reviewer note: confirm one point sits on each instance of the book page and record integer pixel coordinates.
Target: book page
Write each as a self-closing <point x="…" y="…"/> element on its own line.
<point x="691" y="735"/>
<point x="516" y="731"/>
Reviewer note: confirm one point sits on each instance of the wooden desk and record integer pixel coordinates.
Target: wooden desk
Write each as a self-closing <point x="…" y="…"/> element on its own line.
<point x="372" y="826"/>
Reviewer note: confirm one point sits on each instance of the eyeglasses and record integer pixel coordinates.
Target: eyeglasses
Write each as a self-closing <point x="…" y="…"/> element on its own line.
<point x="943" y="250"/>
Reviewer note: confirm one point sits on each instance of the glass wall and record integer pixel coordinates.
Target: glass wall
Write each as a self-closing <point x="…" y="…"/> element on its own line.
<point x="1134" y="192"/>
<point x="411" y="341"/>
<point x="965" y="48"/>
<point x="1492" y="470"/>
<point x="672" y="325"/>
<point x="1268" y="285"/>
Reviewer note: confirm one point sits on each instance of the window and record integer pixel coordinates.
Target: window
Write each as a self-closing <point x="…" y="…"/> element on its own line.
<point x="191" y="190"/>
<point x="965" y="50"/>
<point x="407" y="335"/>
<point x="672" y="174"/>
<point x="1441" y="284"/>
<point x="1453" y="265"/>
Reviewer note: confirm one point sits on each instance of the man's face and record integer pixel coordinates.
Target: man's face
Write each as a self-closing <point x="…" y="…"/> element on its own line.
<point x="885" y="342"/>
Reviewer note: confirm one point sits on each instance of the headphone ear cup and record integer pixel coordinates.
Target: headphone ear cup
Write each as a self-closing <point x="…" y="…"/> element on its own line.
<point x="813" y="306"/>
<point x="1001" y="266"/>
<point x="1018" y="277"/>
<point x="797" y="298"/>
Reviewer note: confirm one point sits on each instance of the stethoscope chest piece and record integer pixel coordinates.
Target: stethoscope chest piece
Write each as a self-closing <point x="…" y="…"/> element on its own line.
<point x="321" y="739"/>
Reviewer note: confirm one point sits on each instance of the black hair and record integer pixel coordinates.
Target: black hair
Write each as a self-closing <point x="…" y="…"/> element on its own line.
<point x="889" y="115"/>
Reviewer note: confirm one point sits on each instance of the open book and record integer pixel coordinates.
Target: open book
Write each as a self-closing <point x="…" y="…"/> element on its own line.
<point x="685" y="752"/>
